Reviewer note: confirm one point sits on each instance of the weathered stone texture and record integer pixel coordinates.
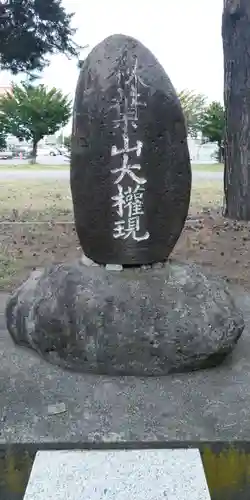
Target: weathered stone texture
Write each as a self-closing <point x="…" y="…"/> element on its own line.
<point x="132" y="322"/>
<point x="157" y="153"/>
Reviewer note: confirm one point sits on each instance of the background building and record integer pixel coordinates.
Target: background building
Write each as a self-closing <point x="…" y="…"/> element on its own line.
<point x="202" y="153"/>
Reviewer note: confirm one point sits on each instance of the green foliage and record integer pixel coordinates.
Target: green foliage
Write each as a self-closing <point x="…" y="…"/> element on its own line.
<point x="31" y="112"/>
<point x="212" y="126"/>
<point x="67" y="141"/>
<point x="193" y="106"/>
<point x="30" y="30"/>
<point x="213" y="123"/>
<point x="3" y="144"/>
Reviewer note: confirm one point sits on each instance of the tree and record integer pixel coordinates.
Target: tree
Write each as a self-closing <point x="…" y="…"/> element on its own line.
<point x="31" y="112"/>
<point x="67" y="142"/>
<point x="193" y="107"/>
<point x="3" y="144"/>
<point x="30" y="30"/>
<point x="212" y="126"/>
<point x="60" y="139"/>
<point x="236" y="47"/>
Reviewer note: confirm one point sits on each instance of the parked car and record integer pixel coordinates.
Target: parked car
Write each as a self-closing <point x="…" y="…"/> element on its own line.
<point x="48" y="151"/>
<point x="20" y="152"/>
<point x="63" y="150"/>
<point x="51" y="151"/>
<point x="45" y="152"/>
<point x="54" y="152"/>
<point x="59" y="150"/>
<point x="27" y="155"/>
<point x="6" y="155"/>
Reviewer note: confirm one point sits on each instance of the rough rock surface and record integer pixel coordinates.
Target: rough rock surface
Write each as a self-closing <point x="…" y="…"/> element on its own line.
<point x="130" y="166"/>
<point x="134" y="322"/>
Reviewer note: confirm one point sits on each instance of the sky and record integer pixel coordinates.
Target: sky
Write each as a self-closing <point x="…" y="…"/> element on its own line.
<point x="184" y="35"/>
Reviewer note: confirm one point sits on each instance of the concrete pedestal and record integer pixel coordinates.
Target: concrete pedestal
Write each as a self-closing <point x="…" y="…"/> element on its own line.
<point x="118" y="475"/>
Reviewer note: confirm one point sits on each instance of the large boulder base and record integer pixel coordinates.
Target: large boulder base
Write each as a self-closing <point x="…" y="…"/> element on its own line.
<point x="134" y="322"/>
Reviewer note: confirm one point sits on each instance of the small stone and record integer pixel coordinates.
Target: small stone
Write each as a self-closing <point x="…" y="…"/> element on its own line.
<point x="56" y="409"/>
<point x="158" y="265"/>
<point x="113" y="267"/>
<point x="87" y="262"/>
<point x="191" y="228"/>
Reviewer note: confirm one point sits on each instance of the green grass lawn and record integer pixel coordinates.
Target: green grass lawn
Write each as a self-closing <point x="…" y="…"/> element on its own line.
<point x="36" y="221"/>
<point x="217" y="167"/>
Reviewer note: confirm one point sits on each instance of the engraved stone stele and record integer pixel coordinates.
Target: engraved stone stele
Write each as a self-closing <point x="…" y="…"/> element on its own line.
<point x="130" y="181"/>
<point x="130" y="166"/>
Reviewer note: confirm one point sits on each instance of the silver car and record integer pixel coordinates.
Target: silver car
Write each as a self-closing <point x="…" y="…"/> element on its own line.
<point x="6" y="155"/>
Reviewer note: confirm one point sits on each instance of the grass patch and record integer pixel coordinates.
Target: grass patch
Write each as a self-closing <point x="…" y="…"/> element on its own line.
<point x="35" y="200"/>
<point x="215" y="167"/>
<point x="9" y="269"/>
<point x="206" y="194"/>
<point x="49" y="200"/>
<point x="218" y="167"/>
<point x="36" y="224"/>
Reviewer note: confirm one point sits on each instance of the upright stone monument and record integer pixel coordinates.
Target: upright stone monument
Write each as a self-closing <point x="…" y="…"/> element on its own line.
<point x="130" y="182"/>
<point x="130" y="167"/>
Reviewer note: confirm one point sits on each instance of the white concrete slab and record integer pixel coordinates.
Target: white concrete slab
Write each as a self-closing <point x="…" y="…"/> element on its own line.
<point x="118" y="475"/>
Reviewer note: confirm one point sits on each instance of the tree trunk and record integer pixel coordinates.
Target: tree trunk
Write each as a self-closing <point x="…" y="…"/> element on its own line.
<point x="236" y="46"/>
<point x="34" y="152"/>
<point x="220" y="152"/>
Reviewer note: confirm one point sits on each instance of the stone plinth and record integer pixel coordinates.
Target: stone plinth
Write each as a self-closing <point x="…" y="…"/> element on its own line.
<point x="133" y="322"/>
<point x="121" y="475"/>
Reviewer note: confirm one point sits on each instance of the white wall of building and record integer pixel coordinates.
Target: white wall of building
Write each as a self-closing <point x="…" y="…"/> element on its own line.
<point x="202" y="153"/>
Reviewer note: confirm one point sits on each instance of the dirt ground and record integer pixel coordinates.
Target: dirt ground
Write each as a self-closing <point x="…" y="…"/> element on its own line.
<point x="37" y="228"/>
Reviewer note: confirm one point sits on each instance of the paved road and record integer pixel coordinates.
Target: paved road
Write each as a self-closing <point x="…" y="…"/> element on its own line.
<point x="43" y="160"/>
<point x="64" y="174"/>
<point x="214" y="176"/>
<point x="34" y="174"/>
